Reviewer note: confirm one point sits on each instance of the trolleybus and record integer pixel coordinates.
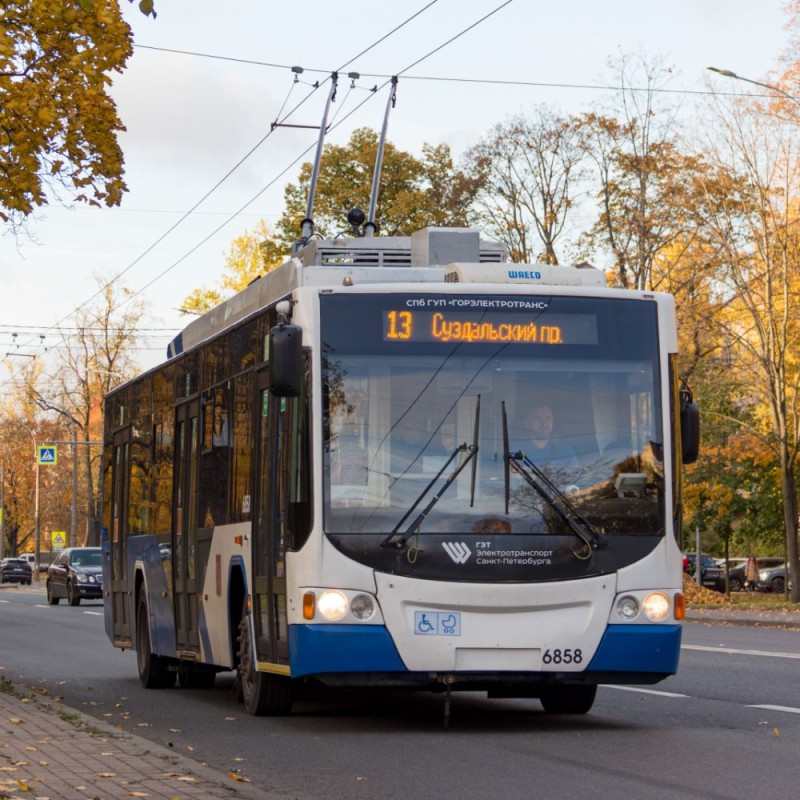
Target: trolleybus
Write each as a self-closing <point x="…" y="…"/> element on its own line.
<point x="333" y="479"/>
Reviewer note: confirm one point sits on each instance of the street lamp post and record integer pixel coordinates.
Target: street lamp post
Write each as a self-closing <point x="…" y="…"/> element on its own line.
<point x="36" y="521"/>
<point x="727" y="73"/>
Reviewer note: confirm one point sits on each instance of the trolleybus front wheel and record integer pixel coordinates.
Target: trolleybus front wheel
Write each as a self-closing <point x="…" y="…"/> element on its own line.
<point x="154" y="670"/>
<point x="568" y="699"/>
<point x="263" y="693"/>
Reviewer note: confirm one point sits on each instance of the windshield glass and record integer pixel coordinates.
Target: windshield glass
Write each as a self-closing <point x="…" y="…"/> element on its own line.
<point x="415" y="385"/>
<point x="86" y="558"/>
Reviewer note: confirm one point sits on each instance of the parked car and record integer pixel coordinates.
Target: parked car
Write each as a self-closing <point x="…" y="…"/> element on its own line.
<point x="44" y="561"/>
<point x="710" y="573"/>
<point x="737" y="568"/>
<point x="76" y="574"/>
<point x="773" y="580"/>
<point x="15" y="570"/>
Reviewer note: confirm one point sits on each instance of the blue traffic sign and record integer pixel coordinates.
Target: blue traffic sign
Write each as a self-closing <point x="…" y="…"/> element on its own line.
<point x="48" y="455"/>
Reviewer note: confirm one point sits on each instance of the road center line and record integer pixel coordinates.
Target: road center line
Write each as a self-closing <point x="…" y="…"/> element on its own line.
<point x="788" y="709"/>
<point x="735" y="651"/>
<point x="641" y="691"/>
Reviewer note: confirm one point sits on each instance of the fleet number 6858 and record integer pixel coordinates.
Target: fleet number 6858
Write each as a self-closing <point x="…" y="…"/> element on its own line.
<point x="566" y="656"/>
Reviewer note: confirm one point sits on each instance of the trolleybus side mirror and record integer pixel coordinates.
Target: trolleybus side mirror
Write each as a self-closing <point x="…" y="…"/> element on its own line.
<point x="285" y="360"/>
<point x="690" y="427"/>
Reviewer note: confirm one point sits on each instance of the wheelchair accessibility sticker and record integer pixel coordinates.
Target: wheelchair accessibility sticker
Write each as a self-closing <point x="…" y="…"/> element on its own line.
<point x="437" y="623"/>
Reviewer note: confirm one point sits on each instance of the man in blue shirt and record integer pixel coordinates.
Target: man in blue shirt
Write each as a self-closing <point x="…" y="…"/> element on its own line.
<point x="555" y="458"/>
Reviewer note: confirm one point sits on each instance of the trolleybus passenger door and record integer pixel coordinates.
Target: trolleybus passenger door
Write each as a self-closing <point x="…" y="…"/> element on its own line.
<point x="119" y="534"/>
<point x="184" y="527"/>
<point x="269" y="577"/>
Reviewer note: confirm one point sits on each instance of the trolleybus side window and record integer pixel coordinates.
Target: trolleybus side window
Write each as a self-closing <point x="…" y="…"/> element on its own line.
<point x="215" y="458"/>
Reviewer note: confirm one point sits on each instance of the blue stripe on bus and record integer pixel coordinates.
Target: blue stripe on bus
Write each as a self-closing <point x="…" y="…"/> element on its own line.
<point x="317" y="649"/>
<point x="638" y="648"/>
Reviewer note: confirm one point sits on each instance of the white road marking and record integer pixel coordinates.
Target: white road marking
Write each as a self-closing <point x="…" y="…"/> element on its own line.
<point x="94" y="613"/>
<point x="641" y="691"/>
<point x="788" y="709"/>
<point x="735" y="651"/>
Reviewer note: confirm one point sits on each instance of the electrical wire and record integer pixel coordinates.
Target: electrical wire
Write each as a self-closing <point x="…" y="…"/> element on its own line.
<point x="308" y="149"/>
<point x="599" y="87"/>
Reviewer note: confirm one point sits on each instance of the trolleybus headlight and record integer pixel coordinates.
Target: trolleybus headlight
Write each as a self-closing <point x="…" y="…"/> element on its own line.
<point x="656" y="606"/>
<point x="362" y="606"/>
<point x="332" y="605"/>
<point x="628" y="607"/>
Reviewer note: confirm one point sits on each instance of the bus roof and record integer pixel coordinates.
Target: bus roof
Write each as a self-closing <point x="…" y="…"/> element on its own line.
<point x="431" y="255"/>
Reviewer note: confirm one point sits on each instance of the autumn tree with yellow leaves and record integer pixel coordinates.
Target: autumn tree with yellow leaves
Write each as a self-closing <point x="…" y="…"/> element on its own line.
<point x="252" y="254"/>
<point x="751" y="222"/>
<point x="58" y="123"/>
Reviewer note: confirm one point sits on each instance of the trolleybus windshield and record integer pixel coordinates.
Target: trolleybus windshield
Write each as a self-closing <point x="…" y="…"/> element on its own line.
<point x="414" y="385"/>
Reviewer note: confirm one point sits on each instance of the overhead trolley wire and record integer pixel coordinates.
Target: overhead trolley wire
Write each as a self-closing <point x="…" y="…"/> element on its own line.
<point x="310" y="147"/>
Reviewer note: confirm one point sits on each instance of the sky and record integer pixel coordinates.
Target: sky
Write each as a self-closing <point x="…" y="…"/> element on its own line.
<point x="208" y="78"/>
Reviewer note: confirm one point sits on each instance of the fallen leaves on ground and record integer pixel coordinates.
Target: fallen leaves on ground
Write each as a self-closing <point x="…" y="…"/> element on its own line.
<point x="699" y="595"/>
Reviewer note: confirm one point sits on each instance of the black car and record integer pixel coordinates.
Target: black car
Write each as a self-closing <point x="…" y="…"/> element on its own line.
<point x="15" y="570"/>
<point x="710" y="571"/>
<point x="76" y="574"/>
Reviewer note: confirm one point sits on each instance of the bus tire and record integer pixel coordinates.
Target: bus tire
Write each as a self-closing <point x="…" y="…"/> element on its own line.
<point x="263" y="693"/>
<point x="577" y="699"/>
<point x="154" y="672"/>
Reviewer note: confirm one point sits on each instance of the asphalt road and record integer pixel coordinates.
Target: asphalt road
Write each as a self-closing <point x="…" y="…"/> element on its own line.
<point x="726" y="726"/>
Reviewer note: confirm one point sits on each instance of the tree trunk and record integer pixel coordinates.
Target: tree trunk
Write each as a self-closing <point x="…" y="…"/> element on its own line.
<point x="790" y="521"/>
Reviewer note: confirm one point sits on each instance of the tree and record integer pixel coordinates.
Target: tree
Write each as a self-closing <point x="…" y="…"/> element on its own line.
<point x="251" y="254"/>
<point x="526" y="170"/>
<point x="97" y="357"/>
<point x="755" y="227"/>
<point x="414" y="193"/>
<point x="58" y="124"/>
<point x="644" y="180"/>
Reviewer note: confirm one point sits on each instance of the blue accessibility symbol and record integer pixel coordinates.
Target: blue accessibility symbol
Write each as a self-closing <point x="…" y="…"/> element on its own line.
<point x="423" y="622"/>
<point x="437" y="623"/>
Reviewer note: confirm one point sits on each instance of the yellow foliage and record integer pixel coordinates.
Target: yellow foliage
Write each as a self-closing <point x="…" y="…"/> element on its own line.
<point x="59" y="126"/>
<point x="252" y="254"/>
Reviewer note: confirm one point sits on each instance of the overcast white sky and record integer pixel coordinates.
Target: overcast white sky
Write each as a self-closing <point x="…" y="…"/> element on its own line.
<point x="191" y="119"/>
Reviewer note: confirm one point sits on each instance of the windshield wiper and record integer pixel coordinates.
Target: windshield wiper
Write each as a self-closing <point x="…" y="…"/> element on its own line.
<point x="472" y="451"/>
<point x="551" y="494"/>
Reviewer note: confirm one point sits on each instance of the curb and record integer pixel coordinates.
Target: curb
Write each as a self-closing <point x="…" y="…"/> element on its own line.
<point x="770" y="619"/>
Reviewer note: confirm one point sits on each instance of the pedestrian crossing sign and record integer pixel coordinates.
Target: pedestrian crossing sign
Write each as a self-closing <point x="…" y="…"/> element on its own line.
<point x="48" y="455"/>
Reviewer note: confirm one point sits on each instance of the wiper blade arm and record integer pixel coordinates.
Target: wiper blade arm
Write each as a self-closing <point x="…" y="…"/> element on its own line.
<point x="390" y="540"/>
<point x="558" y="501"/>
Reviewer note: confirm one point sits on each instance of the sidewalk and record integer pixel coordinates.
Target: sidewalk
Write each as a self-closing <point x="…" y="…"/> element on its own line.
<point x="735" y="616"/>
<point x="50" y="752"/>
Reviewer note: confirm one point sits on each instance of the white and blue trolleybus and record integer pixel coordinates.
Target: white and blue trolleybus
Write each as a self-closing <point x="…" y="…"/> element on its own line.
<point x="337" y="476"/>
